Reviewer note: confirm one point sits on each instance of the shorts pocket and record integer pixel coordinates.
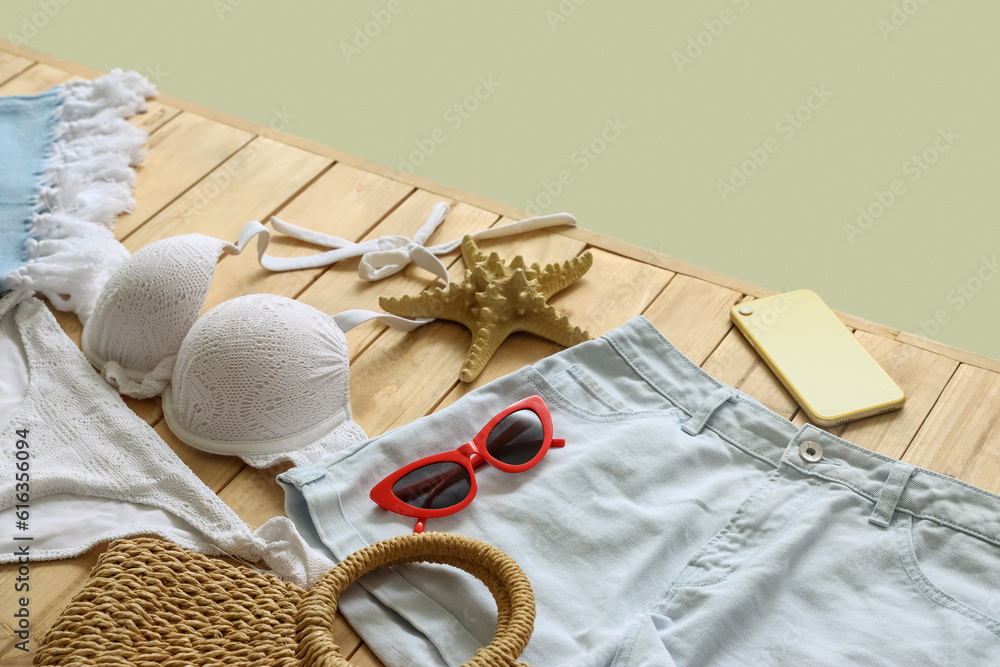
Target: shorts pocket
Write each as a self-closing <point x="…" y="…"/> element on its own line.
<point x="577" y="388"/>
<point x="951" y="568"/>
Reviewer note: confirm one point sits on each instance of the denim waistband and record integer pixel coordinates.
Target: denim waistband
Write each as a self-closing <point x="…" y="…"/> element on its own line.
<point x="747" y="424"/>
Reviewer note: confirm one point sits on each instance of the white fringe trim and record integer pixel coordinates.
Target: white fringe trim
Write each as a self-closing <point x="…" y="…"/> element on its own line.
<point x="86" y="183"/>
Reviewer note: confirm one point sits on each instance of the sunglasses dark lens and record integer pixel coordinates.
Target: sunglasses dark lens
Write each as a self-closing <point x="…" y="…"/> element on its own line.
<point x="517" y="438"/>
<point x="434" y="486"/>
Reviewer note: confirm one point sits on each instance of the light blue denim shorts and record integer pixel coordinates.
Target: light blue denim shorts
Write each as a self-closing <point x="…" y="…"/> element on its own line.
<point x="682" y="524"/>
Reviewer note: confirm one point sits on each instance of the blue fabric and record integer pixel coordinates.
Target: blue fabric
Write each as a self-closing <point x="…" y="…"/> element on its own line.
<point x="27" y="128"/>
<point x="648" y="544"/>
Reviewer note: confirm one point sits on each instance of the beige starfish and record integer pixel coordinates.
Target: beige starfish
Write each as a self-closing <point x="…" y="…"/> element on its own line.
<point x="496" y="299"/>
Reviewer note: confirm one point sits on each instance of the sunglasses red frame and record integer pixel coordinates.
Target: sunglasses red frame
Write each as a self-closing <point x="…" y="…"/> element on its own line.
<point x="471" y="455"/>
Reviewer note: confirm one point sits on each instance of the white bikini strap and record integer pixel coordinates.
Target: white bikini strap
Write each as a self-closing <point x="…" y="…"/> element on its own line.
<point x="346" y="320"/>
<point x="349" y="319"/>
<point x="252" y="229"/>
<point x="510" y="229"/>
<point x="387" y="255"/>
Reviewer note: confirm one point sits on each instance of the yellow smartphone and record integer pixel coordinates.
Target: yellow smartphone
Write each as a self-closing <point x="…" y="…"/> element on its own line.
<point x="828" y="372"/>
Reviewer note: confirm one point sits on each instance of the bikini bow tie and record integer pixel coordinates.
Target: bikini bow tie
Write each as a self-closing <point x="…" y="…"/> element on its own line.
<point x="387" y="255"/>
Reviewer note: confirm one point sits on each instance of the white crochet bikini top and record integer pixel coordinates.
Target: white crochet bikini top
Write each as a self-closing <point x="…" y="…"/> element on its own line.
<point x="261" y="376"/>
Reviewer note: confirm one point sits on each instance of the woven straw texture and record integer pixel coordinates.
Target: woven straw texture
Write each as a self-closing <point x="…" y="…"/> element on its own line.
<point x="150" y="602"/>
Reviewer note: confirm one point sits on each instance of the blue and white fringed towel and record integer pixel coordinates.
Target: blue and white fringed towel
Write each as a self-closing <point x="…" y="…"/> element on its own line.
<point x="66" y="159"/>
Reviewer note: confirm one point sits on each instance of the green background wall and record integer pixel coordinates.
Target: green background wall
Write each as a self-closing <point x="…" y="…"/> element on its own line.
<point x="847" y="146"/>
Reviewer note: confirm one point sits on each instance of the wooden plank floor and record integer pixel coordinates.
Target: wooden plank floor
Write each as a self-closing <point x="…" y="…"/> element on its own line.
<point x="211" y="173"/>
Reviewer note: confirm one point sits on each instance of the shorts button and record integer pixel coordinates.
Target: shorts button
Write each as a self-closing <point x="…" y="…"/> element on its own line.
<point x="811" y="451"/>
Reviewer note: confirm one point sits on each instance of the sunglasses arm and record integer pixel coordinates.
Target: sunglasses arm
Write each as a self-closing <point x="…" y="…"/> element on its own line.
<point x="557" y="442"/>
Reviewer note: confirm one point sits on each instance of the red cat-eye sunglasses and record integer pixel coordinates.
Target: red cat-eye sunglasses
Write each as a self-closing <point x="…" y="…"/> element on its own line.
<point x="515" y="440"/>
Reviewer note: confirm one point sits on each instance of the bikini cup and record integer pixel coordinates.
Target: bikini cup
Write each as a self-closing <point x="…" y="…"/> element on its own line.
<point x="255" y="375"/>
<point x="147" y="308"/>
<point x="259" y="374"/>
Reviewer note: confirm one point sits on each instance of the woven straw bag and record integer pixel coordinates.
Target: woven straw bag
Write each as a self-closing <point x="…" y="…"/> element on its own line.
<point x="150" y="602"/>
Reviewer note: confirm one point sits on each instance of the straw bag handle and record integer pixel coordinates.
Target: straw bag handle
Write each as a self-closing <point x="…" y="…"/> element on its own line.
<point x="506" y="581"/>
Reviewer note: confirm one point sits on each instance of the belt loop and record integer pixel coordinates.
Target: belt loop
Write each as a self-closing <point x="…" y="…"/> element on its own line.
<point x="889" y="498"/>
<point x="696" y="423"/>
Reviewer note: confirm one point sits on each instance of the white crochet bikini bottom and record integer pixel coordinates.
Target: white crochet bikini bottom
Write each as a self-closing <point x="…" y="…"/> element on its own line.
<point x="78" y="467"/>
